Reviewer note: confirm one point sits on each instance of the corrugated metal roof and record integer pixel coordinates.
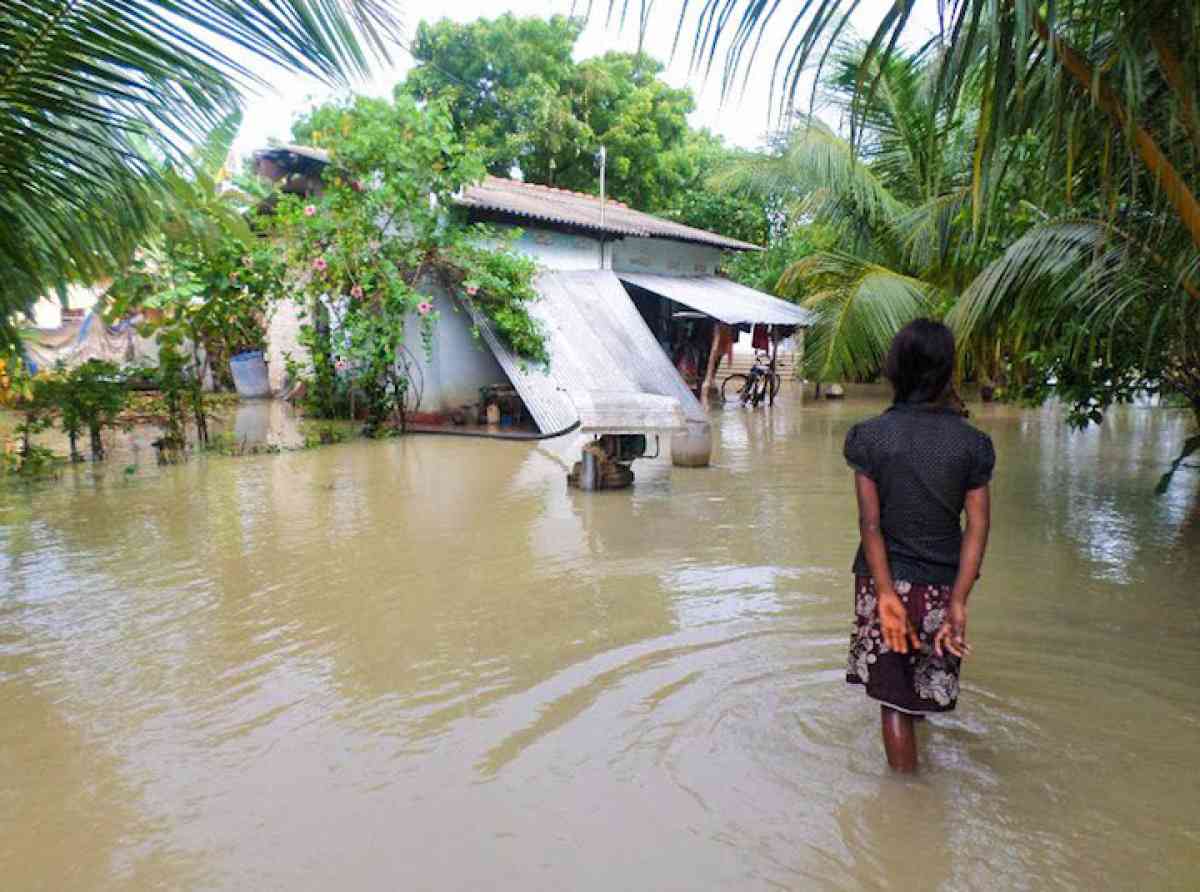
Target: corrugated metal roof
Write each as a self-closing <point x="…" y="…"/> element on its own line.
<point x="722" y="299"/>
<point x="620" y="327"/>
<point x="319" y="155"/>
<point x="579" y="209"/>
<point x="545" y="203"/>
<point x="588" y="383"/>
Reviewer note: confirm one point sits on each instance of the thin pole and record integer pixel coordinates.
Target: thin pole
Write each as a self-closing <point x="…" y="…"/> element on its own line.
<point x="603" y="164"/>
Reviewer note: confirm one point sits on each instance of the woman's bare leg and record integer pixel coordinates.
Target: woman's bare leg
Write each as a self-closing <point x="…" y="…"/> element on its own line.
<point x="899" y="739"/>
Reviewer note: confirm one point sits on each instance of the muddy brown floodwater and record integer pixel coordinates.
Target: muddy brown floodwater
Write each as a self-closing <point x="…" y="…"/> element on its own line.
<point x="424" y="664"/>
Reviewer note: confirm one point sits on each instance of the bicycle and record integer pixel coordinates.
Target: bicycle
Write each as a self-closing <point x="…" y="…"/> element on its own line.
<point x="762" y="383"/>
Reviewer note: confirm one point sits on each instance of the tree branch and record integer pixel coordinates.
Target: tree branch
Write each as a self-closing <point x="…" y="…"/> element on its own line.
<point x="1168" y="178"/>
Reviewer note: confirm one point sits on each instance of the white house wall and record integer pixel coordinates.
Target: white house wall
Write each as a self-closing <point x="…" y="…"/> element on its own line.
<point x="563" y="252"/>
<point x="283" y="339"/>
<point x="452" y="376"/>
<point x="460" y="363"/>
<point x="656" y="255"/>
<point x="559" y="250"/>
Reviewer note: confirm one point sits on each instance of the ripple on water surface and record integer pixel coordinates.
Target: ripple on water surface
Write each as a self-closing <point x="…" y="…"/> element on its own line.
<point x="425" y="663"/>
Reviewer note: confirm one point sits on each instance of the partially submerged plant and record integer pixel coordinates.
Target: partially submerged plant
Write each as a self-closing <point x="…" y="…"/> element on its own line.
<point x="90" y="397"/>
<point x="180" y="381"/>
<point x="31" y="397"/>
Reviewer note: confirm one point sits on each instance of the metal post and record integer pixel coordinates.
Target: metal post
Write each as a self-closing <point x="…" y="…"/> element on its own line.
<point x="589" y="473"/>
<point x="603" y="165"/>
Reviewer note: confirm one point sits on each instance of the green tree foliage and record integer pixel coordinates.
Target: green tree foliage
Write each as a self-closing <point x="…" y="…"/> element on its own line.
<point x="89" y="397"/>
<point x="501" y="81"/>
<point x="763" y="270"/>
<point x="208" y="270"/>
<point x="1108" y="94"/>
<point x="512" y="88"/>
<point x="690" y="199"/>
<point x="91" y="92"/>
<point x="369" y="250"/>
<point x="32" y="398"/>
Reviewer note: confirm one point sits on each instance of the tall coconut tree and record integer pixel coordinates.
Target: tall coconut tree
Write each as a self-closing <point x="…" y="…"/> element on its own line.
<point x="96" y="94"/>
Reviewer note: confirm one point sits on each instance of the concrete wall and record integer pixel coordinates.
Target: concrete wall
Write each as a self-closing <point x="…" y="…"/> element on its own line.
<point x="460" y="364"/>
<point x="562" y="251"/>
<point x="283" y="332"/>
<point x="559" y="250"/>
<point x="656" y="255"/>
<point x="452" y="376"/>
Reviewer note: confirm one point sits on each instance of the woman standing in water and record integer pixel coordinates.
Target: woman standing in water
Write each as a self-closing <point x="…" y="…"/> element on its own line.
<point x="917" y="468"/>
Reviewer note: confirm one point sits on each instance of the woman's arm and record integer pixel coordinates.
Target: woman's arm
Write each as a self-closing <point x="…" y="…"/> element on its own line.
<point x="953" y="633"/>
<point x="893" y="618"/>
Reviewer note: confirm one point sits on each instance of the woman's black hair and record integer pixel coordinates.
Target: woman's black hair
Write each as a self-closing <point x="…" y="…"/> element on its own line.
<point x="920" y="362"/>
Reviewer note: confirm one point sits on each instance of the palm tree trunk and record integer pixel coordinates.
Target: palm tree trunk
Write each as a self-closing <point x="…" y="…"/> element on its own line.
<point x="1173" y="71"/>
<point x="1165" y="174"/>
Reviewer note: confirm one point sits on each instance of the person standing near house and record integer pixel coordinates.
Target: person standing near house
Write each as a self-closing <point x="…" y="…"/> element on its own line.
<point x="917" y="468"/>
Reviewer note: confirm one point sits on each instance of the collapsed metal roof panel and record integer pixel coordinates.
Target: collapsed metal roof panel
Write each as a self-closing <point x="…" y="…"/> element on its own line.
<point x="728" y="301"/>
<point x="565" y="207"/>
<point x="587" y="385"/>
<point x="619" y="326"/>
<point x="547" y="403"/>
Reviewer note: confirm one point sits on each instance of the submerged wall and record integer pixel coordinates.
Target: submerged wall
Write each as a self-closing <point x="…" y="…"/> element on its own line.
<point x="450" y="377"/>
<point x="460" y="364"/>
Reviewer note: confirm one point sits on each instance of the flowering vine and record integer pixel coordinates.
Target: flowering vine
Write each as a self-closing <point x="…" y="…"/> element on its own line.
<point x="371" y="251"/>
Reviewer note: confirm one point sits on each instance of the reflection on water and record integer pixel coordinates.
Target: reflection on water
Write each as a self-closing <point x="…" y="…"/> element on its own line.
<point x="426" y="663"/>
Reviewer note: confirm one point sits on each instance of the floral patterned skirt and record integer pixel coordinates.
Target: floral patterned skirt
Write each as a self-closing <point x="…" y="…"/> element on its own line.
<point x="916" y="682"/>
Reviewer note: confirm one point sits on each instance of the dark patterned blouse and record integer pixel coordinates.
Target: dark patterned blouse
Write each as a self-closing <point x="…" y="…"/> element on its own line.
<point x="923" y="460"/>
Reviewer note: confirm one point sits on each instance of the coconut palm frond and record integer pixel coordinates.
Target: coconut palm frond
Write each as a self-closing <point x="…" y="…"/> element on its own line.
<point x="859" y="307"/>
<point x="814" y="163"/>
<point x="92" y="93"/>
<point x="1129" y="64"/>
<point x="1085" y="271"/>
<point x="930" y="234"/>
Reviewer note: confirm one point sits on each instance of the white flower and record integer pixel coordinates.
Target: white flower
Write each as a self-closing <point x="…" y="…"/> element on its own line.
<point x="866" y="605"/>
<point x="934" y="682"/>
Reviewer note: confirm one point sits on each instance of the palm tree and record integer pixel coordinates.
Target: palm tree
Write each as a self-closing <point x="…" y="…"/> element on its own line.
<point x="96" y="94"/>
<point x="1121" y="55"/>
<point x="898" y="203"/>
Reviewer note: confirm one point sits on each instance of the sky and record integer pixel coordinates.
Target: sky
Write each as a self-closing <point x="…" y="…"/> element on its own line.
<point x="742" y="118"/>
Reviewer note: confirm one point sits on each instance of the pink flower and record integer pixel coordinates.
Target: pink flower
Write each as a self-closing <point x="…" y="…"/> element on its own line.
<point x="341" y="365"/>
<point x="424" y="308"/>
<point x="357" y="185"/>
<point x="320" y="265"/>
<point x="357" y="292"/>
<point x="472" y="289"/>
<point x="310" y="210"/>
